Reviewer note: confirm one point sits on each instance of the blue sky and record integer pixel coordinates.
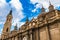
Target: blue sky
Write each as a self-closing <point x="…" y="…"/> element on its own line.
<point x="22" y="9"/>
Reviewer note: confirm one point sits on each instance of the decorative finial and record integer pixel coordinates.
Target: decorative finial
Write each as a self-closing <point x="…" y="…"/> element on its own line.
<point x="10" y="9"/>
<point x="43" y="9"/>
<point x="27" y="18"/>
<point x="15" y="28"/>
<point x="33" y="18"/>
<point x="49" y="2"/>
<point x="51" y="7"/>
<point x="10" y="12"/>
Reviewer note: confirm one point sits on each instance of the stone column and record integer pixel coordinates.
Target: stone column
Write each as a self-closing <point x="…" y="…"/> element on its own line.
<point x="33" y="34"/>
<point x="58" y="25"/>
<point x="16" y="37"/>
<point x="48" y="33"/>
<point x="19" y="38"/>
<point x="30" y="36"/>
<point x="9" y="38"/>
<point x="13" y="38"/>
<point x="38" y="33"/>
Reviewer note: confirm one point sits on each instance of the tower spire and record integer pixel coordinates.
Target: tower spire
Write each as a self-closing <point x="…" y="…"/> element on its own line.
<point x="50" y="2"/>
<point x="51" y="7"/>
<point x="7" y="25"/>
<point x="10" y="12"/>
<point x="42" y="9"/>
<point x="27" y="19"/>
<point x="33" y="18"/>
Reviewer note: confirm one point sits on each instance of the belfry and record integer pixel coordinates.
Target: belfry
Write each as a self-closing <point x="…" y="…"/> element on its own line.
<point x="7" y="25"/>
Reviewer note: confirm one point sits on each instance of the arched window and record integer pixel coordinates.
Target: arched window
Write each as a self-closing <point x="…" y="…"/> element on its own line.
<point x="7" y="30"/>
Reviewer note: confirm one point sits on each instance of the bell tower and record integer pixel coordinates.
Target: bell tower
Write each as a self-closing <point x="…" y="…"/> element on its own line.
<point x="7" y="25"/>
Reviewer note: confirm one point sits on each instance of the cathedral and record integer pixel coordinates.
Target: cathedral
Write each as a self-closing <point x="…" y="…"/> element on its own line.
<point x="45" y="27"/>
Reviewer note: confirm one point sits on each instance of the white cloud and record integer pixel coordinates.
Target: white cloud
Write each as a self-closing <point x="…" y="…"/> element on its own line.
<point x="0" y="32"/>
<point x="45" y="3"/>
<point x="0" y="36"/>
<point x="16" y="4"/>
<point x="37" y="6"/>
<point x="16" y="21"/>
<point x="34" y="10"/>
<point x="17" y="17"/>
<point x="18" y="14"/>
<point x="2" y="3"/>
<point x="41" y="3"/>
<point x="1" y="22"/>
<point x="56" y="3"/>
<point x="3" y="10"/>
<point x="34" y="1"/>
<point x="20" y="24"/>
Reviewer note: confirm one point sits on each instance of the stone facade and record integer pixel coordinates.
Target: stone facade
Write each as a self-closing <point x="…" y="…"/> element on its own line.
<point x="45" y="27"/>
